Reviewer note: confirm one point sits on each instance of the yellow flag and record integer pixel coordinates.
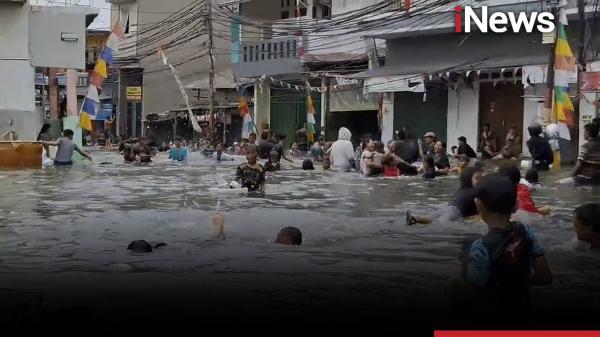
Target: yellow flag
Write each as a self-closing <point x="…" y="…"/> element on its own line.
<point x="101" y="68"/>
<point x="84" y="121"/>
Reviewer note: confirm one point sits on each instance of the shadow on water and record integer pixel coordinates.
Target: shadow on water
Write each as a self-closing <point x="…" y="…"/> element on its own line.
<point x="65" y="231"/>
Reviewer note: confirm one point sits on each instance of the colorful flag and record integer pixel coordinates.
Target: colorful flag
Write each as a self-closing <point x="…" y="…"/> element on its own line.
<point x="101" y="68"/>
<point x="88" y="113"/>
<point x="100" y="72"/>
<point x="563" y="107"/>
<point x="107" y="55"/>
<point x="310" y="118"/>
<point x="565" y="65"/>
<point x="93" y="94"/>
<point x="112" y="43"/>
<point x="565" y="68"/>
<point x="163" y="56"/>
<point x="118" y="30"/>
<point x="191" y="115"/>
<point x="247" y="124"/>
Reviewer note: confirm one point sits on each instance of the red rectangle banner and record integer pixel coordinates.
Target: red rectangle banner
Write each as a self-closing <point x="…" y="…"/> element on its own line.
<point x="518" y="333"/>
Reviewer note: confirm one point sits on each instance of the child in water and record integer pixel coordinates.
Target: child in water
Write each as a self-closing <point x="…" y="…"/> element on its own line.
<point x="251" y="174"/>
<point x="462" y="204"/>
<point x="587" y="225"/>
<point x="389" y="166"/>
<point x="273" y="164"/>
<point x="503" y="264"/>
<point x="526" y="212"/>
<point x="532" y="180"/>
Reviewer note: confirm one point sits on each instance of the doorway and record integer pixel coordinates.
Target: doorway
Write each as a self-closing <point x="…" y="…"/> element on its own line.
<point x="501" y="106"/>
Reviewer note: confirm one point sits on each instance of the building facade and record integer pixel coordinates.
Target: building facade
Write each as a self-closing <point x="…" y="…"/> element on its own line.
<point x="468" y="79"/>
<point x="38" y="37"/>
<point x="276" y="45"/>
<point x="146" y="86"/>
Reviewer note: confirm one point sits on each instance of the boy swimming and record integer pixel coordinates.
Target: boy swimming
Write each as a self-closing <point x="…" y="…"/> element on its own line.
<point x="462" y="204"/>
<point x="502" y="265"/>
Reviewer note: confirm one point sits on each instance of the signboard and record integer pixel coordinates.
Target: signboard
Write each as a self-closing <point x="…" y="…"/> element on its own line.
<point x="587" y="119"/>
<point x="134" y="93"/>
<point x="591" y="81"/>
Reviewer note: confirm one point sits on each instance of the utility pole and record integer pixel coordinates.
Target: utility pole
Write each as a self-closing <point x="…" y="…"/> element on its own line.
<point x="211" y="74"/>
<point x="581" y="40"/>
<point x="550" y="72"/>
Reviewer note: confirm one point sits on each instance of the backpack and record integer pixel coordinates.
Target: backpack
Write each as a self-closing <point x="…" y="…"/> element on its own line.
<point x="510" y="253"/>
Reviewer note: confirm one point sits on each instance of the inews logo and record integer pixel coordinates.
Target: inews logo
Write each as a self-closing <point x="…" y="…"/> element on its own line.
<point x="501" y="22"/>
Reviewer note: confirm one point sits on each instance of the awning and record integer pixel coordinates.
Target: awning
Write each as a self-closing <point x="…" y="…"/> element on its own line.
<point x="223" y="80"/>
<point x="334" y="57"/>
<point x="537" y="74"/>
<point x="412" y="83"/>
<point x="440" y="66"/>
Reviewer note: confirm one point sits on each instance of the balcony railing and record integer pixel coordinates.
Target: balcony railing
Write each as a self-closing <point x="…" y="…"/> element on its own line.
<point x="276" y="49"/>
<point x="268" y="57"/>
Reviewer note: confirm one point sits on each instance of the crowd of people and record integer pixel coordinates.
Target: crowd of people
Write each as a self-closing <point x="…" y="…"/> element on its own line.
<point x="499" y="267"/>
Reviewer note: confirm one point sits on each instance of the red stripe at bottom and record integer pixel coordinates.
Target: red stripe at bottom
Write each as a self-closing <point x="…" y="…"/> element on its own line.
<point x="518" y="333"/>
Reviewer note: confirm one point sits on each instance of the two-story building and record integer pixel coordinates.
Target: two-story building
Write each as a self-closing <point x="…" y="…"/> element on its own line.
<point x="469" y="79"/>
<point x="147" y="88"/>
<point x="35" y="37"/>
<point x="286" y="46"/>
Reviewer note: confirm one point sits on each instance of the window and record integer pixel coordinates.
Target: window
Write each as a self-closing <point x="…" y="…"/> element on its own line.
<point x="126" y="30"/>
<point x="326" y="12"/>
<point x="288" y="9"/>
<point x="124" y="18"/>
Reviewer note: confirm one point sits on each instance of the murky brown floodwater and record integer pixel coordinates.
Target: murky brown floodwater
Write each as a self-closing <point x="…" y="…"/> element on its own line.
<point x="63" y="224"/>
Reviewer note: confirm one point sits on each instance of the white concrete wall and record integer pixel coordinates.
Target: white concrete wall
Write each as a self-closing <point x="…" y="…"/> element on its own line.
<point x="46" y="47"/>
<point x="387" y="124"/>
<point x="17" y="92"/>
<point x="463" y="115"/>
<point x="262" y="103"/>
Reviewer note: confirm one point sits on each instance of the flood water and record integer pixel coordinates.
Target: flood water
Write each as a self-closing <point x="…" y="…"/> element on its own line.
<point x="64" y="233"/>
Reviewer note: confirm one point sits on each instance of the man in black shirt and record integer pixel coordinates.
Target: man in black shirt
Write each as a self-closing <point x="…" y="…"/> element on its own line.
<point x="539" y="148"/>
<point x="406" y="149"/>
<point x="264" y="146"/>
<point x="465" y="149"/>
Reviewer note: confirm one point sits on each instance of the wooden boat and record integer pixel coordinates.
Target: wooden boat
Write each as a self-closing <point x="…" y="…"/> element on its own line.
<point x="20" y="154"/>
